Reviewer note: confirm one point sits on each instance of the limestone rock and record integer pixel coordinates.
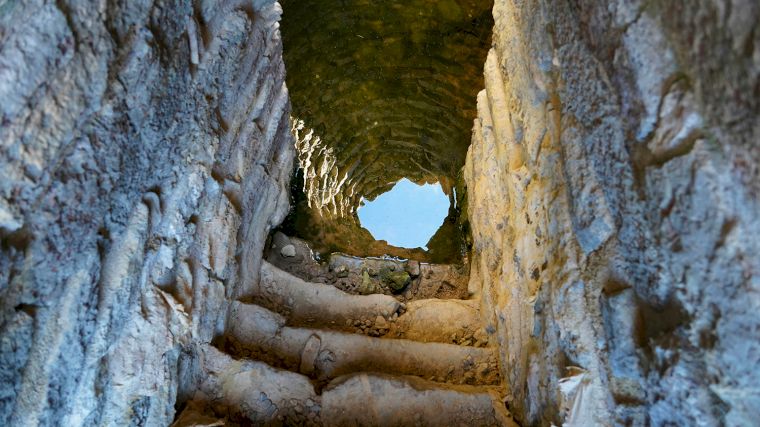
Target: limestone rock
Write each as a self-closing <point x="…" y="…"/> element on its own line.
<point x="288" y="251"/>
<point x="396" y="280"/>
<point x="341" y="271"/>
<point x="413" y="268"/>
<point x="367" y="285"/>
<point x="142" y="165"/>
<point x="309" y="355"/>
<point x="624" y="207"/>
<point x="611" y="193"/>
<point x="381" y="323"/>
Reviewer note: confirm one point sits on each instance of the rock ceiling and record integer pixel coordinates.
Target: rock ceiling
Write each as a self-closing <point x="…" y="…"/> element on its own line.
<point x="388" y="89"/>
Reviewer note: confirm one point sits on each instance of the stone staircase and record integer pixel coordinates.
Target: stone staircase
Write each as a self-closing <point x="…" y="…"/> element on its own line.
<point x="301" y="353"/>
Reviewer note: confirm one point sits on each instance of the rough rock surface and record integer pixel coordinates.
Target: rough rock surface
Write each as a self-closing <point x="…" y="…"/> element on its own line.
<point x="612" y="189"/>
<point x="289" y="357"/>
<point x="145" y="154"/>
<point x="244" y="392"/>
<point x="416" y="280"/>
<point x="612" y="194"/>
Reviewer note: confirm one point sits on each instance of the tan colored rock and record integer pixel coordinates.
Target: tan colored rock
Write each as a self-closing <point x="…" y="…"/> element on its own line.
<point x="381" y="323"/>
<point x="309" y="355"/>
<point x="604" y="197"/>
<point x="438" y="321"/>
<point x="250" y="390"/>
<point x="266" y="335"/>
<point x="316" y="304"/>
<point x="410" y="401"/>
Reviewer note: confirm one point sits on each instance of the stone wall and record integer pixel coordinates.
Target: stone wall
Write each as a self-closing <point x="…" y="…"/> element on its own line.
<point x="145" y="153"/>
<point x="613" y="199"/>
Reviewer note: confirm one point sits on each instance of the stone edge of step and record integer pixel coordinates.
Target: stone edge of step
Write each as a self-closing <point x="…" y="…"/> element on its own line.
<point x="376" y="323"/>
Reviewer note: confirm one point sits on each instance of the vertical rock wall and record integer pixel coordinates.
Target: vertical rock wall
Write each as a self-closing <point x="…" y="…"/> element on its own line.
<point x="144" y="155"/>
<point x="613" y="199"/>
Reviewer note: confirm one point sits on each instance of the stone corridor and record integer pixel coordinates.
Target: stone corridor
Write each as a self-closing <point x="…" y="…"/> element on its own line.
<point x="179" y="243"/>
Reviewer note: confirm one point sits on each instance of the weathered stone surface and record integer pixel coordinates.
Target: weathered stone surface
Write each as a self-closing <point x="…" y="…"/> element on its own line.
<point x="144" y="156"/>
<point x="409" y="401"/>
<point x="396" y="280"/>
<point x="250" y="392"/>
<point x="259" y="333"/>
<point x="370" y="275"/>
<point x="288" y="251"/>
<point x="612" y="194"/>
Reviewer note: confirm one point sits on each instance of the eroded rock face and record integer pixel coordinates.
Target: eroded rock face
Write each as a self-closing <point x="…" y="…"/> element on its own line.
<point x="144" y="155"/>
<point x="612" y="193"/>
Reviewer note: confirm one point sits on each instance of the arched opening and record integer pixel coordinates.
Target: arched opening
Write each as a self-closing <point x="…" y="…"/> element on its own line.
<point x="407" y="216"/>
<point x="381" y="92"/>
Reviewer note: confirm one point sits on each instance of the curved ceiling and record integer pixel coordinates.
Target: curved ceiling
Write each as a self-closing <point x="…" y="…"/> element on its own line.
<point x="389" y="89"/>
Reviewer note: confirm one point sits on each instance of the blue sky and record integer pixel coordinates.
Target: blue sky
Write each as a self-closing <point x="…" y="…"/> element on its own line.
<point x="407" y="216"/>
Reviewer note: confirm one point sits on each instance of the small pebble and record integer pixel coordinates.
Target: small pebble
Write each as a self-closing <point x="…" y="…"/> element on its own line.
<point x="288" y="251"/>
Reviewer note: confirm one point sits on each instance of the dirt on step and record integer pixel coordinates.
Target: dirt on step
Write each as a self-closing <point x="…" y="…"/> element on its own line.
<point x="406" y="280"/>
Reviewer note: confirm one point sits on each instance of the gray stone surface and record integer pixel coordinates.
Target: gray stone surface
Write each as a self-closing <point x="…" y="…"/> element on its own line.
<point x="144" y="155"/>
<point x="288" y="251"/>
<point x="613" y="199"/>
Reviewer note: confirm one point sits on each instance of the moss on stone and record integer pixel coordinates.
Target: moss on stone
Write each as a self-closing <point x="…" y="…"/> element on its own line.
<point x="396" y="280"/>
<point x="367" y="285"/>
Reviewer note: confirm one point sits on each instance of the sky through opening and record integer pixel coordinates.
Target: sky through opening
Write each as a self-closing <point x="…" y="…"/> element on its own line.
<point x="407" y="216"/>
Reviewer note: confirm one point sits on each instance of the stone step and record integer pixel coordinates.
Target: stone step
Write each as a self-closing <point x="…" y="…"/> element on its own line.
<point x="404" y="279"/>
<point x="384" y="400"/>
<point x="433" y="320"/>
<point x="324" y="306"/>
<point x="445" y="321"/>
<point x="252" y="392"/>
<point x="322" y="354"/>
<point x="316" y="304"/>
<point x="246" y="392"/>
